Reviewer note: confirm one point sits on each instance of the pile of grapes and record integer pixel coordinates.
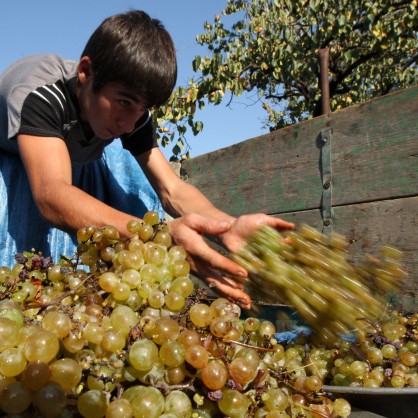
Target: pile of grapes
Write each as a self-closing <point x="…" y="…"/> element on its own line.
<point x="121" y="331"/>
<point x="312" y="272"/>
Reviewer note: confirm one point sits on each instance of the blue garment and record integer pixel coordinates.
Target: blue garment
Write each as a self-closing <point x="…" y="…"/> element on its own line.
<point x="115" y="179"/>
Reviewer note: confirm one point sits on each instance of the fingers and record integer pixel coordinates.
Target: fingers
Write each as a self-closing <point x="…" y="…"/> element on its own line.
<point x="226" y="287"/>
<point x="206" y="225"/>
<point x="279" y="223"/>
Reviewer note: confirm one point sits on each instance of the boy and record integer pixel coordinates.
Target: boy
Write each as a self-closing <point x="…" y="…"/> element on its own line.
<point x="62" y="168"/>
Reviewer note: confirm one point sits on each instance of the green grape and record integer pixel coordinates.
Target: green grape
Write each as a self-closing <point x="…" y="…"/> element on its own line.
<point x="50" y="400"/>
<point x="165" y="329"/>
<point x="172" y="353"/>
<point x="233" y="403"/>
<point x="73" y="342"/>
<point x="11" y="310"/>
<point x="143" y="354"/>
<point x="163" y="238"/>
<point x="119" y="408"/>
<point x="249" y="354"/>
<point x="175" y="375"/>
<point x="408" y="359"/>
<point x="242" y="370"/>
<point x="44" y="346"/>
<point x="223" y="308"/>
<point x="197" y="356"/>
<point x="313" y="383"/>
<point x="135" y="244"/>
<point x="55" y="273"/>
<point x="12" y="362"/>
<point x="184" y="286"/>
<point x="388" y="351"/>
<point x="174" y="301"/>
<point x="123" y="319"/>
<point x="156" y="299"/>
<point x="92" y="404"/>
<point x="189" y="337"/>
<point x="214" y="375"/>
<point x="251" y="324"/>
<point x="151" y="218"/>
<point x="36" y="375"/>
<point x="220" y="327"/>
<point x="134" y="301"/>
<point x="121" y="291"/>
<point x="132" y="278"/>
<point x="5" y="273"/>
<point x="177" y="252"/>
<point x="179" y="404"/>
<point x="180" y="268"/>
<point x="57" y="322"/>
<point x="93" y="333"/>
<point x="66" y="372"/>
<point x="134" y="225"/>
<point x="113" y="341"/>
<point x="201" y="315"/>
<point x="108" y="281"/>
<point x="15" y="398"/>
<point x="374" y="355"/>
<point x="9" y="333"/>
<point x="275" y="399"/>
<point x="397" y="381"/>
<point x="341" y="407"/>
<point x="150" y="273"/>
<point x="147" y="403"/>
<point x="145" y="232"/>
<point x="154" y="253"/>
<point x="358" y="368"/>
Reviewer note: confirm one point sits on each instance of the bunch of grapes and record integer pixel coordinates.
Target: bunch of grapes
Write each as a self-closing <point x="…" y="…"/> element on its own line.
<point x="385" y="354"/>
<point x="312" y="273"/>
<point x="120" y="330"/>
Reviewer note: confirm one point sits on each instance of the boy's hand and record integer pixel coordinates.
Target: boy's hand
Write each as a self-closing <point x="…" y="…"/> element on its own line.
<point x="244" y="226"/>
<point x="206" y="262"/>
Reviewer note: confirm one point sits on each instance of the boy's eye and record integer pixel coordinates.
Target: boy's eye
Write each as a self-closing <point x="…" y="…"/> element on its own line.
<point x="124" y="103"/>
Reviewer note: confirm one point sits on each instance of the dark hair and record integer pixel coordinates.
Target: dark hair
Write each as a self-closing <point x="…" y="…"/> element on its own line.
<point x="137" y="51"/>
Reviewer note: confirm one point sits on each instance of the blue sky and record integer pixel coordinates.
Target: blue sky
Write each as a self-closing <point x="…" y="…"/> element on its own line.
<point x="63" y="27"/>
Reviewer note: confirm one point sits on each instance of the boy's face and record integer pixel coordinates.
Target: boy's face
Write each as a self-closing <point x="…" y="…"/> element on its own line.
<point x="110" y="112"/>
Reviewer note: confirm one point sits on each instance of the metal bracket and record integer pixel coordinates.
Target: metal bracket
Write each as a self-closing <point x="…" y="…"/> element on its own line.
<point x="326" y="172"/>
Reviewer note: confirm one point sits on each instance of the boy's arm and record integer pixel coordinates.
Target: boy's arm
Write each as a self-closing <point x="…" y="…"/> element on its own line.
<point x="63" y="205"/>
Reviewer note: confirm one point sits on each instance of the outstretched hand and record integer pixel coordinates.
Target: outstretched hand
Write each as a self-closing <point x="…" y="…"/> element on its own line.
<point x="205" y="262"/>
<point x="235" y="237"/>
<point x="208" y="264"/>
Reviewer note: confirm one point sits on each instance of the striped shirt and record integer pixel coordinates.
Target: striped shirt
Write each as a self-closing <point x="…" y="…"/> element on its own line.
<point x="38" y="97"/>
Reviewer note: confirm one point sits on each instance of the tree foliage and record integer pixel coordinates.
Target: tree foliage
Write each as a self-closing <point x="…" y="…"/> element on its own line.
<point x="272" y="51"/>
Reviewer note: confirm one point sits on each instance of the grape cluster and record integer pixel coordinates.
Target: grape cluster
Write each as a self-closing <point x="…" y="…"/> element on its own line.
<point x="120" y="330"/>
<point x="312" y="273"/>
<point x="385" y="354"/>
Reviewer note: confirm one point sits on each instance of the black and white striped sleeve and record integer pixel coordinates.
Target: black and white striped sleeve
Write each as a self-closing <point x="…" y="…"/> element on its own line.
<point x="44" y="112"/>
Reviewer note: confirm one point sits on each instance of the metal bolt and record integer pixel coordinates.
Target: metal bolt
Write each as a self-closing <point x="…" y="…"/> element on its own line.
<point x="327" y="184"/>
<point x="327" y="222"/>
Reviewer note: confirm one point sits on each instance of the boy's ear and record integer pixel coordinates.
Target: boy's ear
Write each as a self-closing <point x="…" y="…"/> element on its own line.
<point x="85" y="70"/>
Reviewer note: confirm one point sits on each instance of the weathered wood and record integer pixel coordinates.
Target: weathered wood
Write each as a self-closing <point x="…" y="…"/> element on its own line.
<point x="374" y="156"/>
<point x="374" y="167"/>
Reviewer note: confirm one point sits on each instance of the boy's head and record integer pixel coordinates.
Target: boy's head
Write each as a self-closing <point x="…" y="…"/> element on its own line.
<point x="137" y="51"/>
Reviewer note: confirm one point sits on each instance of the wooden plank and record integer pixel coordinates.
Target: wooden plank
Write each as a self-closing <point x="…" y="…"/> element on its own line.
<point x="374" y="156"/>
